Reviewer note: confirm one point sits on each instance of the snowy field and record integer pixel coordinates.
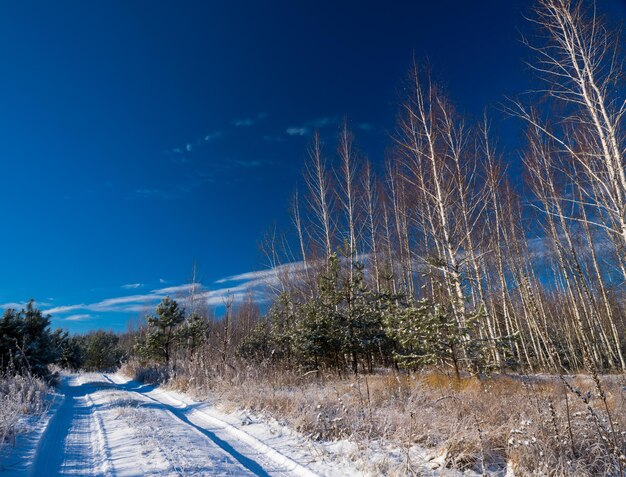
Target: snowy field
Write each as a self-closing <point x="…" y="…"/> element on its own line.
<point x="103" y="424"/>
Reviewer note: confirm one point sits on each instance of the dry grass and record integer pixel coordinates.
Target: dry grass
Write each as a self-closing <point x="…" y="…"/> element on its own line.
<point x="539" y="425"/>
<point x="19" y="396"/>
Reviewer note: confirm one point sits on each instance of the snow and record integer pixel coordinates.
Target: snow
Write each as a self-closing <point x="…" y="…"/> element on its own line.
<point x="101" y="425"/>
<point x="108" y="425"/>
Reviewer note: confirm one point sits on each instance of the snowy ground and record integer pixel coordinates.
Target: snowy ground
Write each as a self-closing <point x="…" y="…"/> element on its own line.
<point x="107" y="425"/>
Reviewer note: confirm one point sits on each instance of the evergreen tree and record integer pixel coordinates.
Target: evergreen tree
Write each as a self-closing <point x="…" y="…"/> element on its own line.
<point x="272" y="339"/>
<point x="162" y="331"/>
<point x="318" y="336"/>
<point x="428" y="333"/>
<point x="26" y="344"/>
<point x="193" y="332"/>
<point x="69" y="350"/>
<point x="343" y="325"/>
<point x="366" y="335"/>
<point x="102" y="350"/>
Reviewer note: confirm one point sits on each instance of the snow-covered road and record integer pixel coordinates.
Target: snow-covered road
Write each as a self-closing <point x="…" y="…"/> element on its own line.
<point x="107" y="425"/>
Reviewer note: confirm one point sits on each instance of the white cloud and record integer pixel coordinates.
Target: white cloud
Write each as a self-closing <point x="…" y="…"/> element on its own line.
<point x="122" y="300"/>
<point x="210" y="136"/>
<point x="257" y="283"/>
<point x="323" y="122"/>
<point x="64" y="309"/>
<point x="297" y="131"/>
<point x="176" y="289"/>
<point x="318" y="123"/>
<point x="248" y="276"/>
<point x="217" y="299"/>
<point x="236" y="287"/>
<point x="144" y="302"/>
<point x="14" y="305"/>
<point x="20" y="305"/>
<point x="261" y="279"/>
<point x="79" y="317"/>
<point x="130" y="286"/>
<point x="191" y="146"/>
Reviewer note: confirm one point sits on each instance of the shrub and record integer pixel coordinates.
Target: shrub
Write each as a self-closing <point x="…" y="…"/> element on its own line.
<point x="19" y="395"/>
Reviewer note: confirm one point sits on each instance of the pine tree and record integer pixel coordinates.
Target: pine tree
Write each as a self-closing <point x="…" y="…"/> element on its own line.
<point x="102" y="350"/>
<point x="427" y="333"/>
<point x="26" y="344"/>
<point x="162" y="331"/>
<point x="272" y="339"/>
<point x="68" y="350"/>
<point x="193" y="332"/>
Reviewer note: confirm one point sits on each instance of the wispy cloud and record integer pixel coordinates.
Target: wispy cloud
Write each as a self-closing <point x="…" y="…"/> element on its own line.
<point x="177" y="289"/>
<point x="211" y="136"/>
<point x="65" y="308"/>
<point x="264" y="279"/>
<point x="260" y="284"/>
<point x="14" y="305"/>
<point x="130" y="286"/>
<point x="79" y="317"/>
<point x="321" y="123"/>
<point x="140" y="303"/>
<point x="297" y="131"/>
<point x="19" y="305"/>
<point x="178" y="154"/>
<point x="248" y="276"/>
<point x="309" y="126"/>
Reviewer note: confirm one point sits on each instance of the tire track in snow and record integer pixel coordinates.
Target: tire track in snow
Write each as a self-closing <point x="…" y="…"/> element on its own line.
<point x="286" y="465"/>
<point x="102" y="440"/>
<point x="91" y="435"/>
<point x="66" y="446"/>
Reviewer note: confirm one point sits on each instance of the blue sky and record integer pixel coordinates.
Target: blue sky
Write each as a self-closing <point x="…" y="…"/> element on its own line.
<point x="137" y="138"/>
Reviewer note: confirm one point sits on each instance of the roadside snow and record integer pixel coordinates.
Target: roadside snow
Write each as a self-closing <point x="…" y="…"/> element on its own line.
<point x="107" y="425"/>
<point x="259" y="438"/>
<point x="287" y="447"/>
<point x="16" y="456"/>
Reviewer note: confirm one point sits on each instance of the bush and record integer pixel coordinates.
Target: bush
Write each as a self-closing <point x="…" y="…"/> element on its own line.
<point x="148" y="374"/>
<point x="101" y="351"/>
<point x="19" y="395"/>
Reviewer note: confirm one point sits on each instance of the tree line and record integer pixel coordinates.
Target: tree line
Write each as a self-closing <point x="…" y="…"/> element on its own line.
<point x="441" y="257"/>
<point x="29" y="346"/>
